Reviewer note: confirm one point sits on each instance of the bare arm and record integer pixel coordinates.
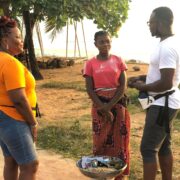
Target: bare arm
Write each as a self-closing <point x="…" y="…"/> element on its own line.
<point x="90" y="91"/>
<point x="19" y="99"/>
<point x="163" y="84"/>
<point x="120" y="90"/>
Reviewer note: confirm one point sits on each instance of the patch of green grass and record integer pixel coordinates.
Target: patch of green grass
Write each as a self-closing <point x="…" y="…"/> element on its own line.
<point x="176" y="141"/>
<point x="85" y="104"/>
<point x="176" y="125"/>
<point x="133" y="108"/>
<point x="134" y="105"/>
<point x="135" y="158"/>
<point x="135" y="169"/>
<point x="77" y="85"/>
<point x="86" y="117"/>
<point x="73" y="141"/>
<point x="133" y="96"/>
<point x="178" y="116"/>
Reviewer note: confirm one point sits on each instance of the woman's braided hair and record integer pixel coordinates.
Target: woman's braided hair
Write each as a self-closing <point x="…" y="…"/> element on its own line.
<point x="5" y="24"/>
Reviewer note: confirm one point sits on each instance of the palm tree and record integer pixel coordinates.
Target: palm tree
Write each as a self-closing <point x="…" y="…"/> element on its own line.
<point x="29" y="25"/>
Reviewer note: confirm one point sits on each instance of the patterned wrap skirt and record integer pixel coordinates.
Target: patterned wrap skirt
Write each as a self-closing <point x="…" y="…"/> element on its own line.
<point x="111" y="138"/>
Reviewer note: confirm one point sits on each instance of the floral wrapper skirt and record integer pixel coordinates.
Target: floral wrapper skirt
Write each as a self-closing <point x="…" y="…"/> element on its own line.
<point x="112" y="138"/>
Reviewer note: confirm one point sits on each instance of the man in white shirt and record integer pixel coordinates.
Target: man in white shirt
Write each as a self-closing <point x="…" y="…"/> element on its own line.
<point x="163" y="78"/>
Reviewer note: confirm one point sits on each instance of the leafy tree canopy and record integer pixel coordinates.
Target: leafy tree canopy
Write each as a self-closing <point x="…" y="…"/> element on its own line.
<point x="107" y="14"/>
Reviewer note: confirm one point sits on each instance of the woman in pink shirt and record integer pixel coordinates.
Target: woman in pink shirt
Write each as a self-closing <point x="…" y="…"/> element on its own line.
<point x="105" y="83"/>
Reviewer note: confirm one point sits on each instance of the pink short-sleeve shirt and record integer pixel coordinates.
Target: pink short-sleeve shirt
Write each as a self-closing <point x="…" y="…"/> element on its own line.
<point x="106" y="73"/>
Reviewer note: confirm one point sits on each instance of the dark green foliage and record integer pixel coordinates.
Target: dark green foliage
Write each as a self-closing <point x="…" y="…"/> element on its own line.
<point x="109" y="15"/>
<point x="133" y="95"/>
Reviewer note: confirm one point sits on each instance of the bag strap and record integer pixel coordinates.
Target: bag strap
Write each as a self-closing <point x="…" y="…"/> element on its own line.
<point x="38" y="114"/>
<point x="164" y="94"/>
<point x="164" y="119"/>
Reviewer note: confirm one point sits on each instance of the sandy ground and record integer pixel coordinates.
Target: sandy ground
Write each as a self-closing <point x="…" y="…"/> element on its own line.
<point x="54" y="166"/>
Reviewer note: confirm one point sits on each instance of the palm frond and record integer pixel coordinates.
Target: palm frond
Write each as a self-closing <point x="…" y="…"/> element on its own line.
<point x="54" y="26"/>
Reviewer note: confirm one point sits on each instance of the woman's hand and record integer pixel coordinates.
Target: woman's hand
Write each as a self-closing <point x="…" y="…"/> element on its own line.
<point x="109" y="116"/>
<point x="34" y="131"/>
<point x="105" y="108"/>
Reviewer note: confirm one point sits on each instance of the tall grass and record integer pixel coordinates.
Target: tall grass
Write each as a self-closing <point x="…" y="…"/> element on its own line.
<point x="134" y="106"/>
<point x="73" y="141"/>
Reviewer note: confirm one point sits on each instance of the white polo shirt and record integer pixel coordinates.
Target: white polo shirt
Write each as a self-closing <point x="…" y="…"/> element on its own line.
<point x="166" y="55"/>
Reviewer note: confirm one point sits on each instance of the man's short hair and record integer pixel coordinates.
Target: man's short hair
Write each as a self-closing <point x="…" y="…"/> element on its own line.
<point x="164" y="14"/>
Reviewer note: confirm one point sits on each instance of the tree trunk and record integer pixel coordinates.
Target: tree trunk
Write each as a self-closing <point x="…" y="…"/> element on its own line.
<point x="33" y="62"/>
<point x="4" y="5"/>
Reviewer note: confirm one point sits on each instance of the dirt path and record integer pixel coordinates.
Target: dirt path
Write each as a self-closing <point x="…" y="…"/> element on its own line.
<point x="53" y="167"/>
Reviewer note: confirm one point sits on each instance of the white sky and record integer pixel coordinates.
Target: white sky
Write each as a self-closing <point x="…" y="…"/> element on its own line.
<point x="134" y="40"/>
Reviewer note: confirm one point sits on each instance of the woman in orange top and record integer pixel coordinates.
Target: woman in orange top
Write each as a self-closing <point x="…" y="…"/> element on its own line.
<point x="18" y="125"/>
